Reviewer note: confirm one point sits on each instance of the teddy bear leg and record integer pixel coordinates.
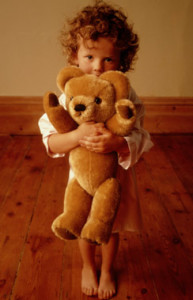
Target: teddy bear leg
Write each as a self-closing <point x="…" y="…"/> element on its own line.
<point x="103" y="211"/>
<point x="77" y="204"/>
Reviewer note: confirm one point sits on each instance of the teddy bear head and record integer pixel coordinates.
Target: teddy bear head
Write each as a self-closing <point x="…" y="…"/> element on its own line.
<point x="91" y="98"/>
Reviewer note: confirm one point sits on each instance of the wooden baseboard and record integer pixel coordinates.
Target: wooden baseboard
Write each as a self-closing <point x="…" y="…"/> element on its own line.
<point x="164" y="115"/>
<point x="20" y="115"/>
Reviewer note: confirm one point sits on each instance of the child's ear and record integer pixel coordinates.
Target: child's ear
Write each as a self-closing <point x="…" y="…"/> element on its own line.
<point x="75" y="60"/>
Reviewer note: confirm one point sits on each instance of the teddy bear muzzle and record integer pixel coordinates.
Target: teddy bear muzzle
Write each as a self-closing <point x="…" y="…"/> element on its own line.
<point x="82" y="112"/>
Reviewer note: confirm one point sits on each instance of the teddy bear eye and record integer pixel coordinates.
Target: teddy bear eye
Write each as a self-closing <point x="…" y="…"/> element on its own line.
<point x="98" y="100"/>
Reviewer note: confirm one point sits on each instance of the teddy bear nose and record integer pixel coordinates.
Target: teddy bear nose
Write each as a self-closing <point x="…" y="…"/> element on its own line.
<point x="80" y="107"/>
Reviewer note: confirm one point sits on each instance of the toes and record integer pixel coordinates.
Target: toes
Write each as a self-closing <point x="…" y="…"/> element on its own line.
<point x="93" y="292"/>
<point x="106" y="294"/>
<point x="90" y="291"/>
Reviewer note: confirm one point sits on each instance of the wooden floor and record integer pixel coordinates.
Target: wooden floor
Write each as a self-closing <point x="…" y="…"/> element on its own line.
<point x="34" y="265"/>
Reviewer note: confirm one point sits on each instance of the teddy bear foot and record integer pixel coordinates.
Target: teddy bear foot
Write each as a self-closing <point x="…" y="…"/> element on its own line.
<point x="65" y="227"/>
<point x="96" y="232"/>
<point x="63" y="233"/>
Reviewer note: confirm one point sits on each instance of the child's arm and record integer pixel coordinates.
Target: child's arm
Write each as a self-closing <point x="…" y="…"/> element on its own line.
<point x="64" y="142"/>
<point x="57" y="145"/>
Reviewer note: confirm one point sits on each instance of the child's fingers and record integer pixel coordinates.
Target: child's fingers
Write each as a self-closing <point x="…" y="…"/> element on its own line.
<point x="95" y="143"/>
<point x="87" y="140"/>
<point x="102" y="130"/>
<point x="88" y="145"/>
<point x="91" y="143"/>
<point x="100" y="125"/>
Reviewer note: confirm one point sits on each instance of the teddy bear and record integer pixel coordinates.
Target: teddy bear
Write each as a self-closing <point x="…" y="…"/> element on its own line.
<point x="92" y="197"/>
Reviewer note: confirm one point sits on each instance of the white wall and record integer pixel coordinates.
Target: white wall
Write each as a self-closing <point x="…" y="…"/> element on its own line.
<point x="31" y="56"/>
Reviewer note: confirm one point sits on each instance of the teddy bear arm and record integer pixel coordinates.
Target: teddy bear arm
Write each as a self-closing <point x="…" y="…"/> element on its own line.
<point x="57" y="115"/>
<point x="123" y="121"/>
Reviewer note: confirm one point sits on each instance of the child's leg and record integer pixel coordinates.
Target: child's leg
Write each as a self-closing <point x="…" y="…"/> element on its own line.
<point x="107" y="285"/>
<point x="89" y="274"/>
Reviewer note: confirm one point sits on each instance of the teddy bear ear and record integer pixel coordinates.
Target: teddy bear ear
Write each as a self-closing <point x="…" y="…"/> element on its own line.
<point x="119" y="81"/>
<point x="66" y="74"/>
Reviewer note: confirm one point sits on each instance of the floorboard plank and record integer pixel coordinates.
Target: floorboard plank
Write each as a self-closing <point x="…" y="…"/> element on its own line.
<point x="4" y="141"/>
<point x="12" y="156"/>
<point x="134" y="278"/>
<point x="17" y="210"/>
<point x="170" y="266"/>
<point x="41" y="268"/>
<point x="179" y="151"/>
<point x="173" y="196"/>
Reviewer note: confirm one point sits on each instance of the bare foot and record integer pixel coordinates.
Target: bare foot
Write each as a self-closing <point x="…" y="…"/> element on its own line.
<point x="89" y="281"/>
<point x="107" y="285"/>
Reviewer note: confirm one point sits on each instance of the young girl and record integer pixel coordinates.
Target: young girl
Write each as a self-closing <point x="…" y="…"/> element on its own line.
<point x="100" y="39"/>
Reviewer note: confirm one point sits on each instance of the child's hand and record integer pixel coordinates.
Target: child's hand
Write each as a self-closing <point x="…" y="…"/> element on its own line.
<point x="104" y="141"/>
<point x="89" y="129"/>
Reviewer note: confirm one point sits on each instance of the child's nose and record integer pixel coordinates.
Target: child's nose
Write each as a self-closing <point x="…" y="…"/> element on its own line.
<point x="98" y="66"/>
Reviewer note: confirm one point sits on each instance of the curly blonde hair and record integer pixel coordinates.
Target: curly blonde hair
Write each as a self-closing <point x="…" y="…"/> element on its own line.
<point x="101" y="20"/>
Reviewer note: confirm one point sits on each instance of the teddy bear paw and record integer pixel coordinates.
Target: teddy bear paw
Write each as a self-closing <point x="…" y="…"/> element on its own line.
<point x="125" y="109"/>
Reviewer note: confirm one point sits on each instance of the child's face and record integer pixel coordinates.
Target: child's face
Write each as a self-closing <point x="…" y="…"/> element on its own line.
<point x="96" y="57"/>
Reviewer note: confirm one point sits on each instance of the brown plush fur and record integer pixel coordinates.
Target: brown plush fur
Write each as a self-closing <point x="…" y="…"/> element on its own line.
<point x="92" y="197"/>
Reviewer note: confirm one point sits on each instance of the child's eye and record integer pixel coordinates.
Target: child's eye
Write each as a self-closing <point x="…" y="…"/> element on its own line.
<point x="108" y="59"/>
<point x="89" y="57"/>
